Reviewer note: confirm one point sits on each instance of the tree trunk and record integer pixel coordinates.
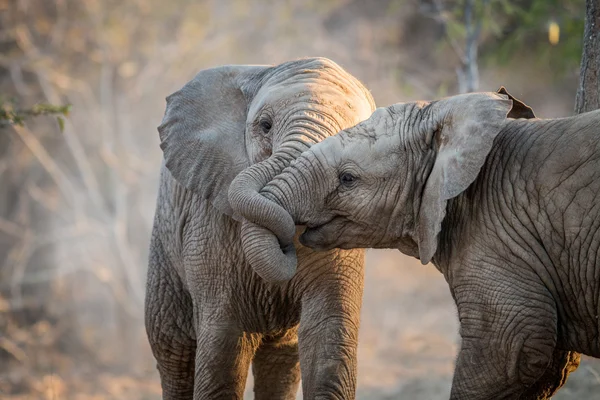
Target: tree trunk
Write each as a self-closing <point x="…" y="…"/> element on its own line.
<point x="588" y="95"/>
<point x="468" y="72"/>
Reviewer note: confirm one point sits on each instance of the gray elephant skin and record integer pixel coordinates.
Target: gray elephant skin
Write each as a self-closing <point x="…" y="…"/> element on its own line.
<point x="505" y="205"/>
<point x="214" y="302"/>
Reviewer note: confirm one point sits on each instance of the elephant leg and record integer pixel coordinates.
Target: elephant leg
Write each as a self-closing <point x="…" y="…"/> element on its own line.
<point x="328" y="333"/>
<point x="168" y="316"/>
<point x="276" y="367"/>
<point x="328" y="344"/>
<point x="508" y="328"/>
<point x="223" y="356"/>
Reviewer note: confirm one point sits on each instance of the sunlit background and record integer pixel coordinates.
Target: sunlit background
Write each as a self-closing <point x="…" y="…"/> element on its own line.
<point x="77" y="192"/>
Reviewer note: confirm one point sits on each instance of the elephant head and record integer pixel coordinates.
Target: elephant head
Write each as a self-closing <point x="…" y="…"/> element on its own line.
<point x="384" y="183"/>
<point x="231" y="129"/>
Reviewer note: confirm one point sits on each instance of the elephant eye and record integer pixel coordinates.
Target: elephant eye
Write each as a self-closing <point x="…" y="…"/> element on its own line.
<point x="347" y="179"/>
<point x="265" y="125"/>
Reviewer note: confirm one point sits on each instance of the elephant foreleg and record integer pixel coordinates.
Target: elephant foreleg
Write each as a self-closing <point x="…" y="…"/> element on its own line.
<point x="276" y="367"/>
<point x="223" y="357"/>
<point x="169" y="327"/>
<point x="509" y="331"/>
<point x="328" y="340"/>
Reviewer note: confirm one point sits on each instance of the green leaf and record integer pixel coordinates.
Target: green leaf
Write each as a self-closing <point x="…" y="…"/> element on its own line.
<point x="61" y="123"/>
<point x="66" y="110"/>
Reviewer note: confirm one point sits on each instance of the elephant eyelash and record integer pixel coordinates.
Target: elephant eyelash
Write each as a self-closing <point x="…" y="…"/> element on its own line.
<point x="265" y="125"/>
<point x="347" y="179"/>
<point x="344" y="184"/>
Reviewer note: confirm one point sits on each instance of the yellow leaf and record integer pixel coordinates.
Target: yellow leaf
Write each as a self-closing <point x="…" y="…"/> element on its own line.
<point x="553" y="33"/>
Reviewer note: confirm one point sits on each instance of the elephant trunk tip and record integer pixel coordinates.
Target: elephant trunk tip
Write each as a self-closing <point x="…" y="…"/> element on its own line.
<point x="271" y="261"/>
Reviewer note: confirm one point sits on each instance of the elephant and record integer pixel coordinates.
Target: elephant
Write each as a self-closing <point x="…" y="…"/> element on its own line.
<point x="505" y="205"/>
<point x="211" y="307"/>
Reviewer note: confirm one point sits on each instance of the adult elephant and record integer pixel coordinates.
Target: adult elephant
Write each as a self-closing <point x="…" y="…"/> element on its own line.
<point x="212" y="308"/>
<point x="507" y="208"/>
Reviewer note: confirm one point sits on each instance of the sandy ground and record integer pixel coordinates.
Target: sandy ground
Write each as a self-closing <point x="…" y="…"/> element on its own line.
<point x="408" y="337"/>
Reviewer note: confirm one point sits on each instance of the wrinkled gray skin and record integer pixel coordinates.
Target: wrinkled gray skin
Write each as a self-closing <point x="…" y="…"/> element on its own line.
<point x="507" y="209"/>
<point x="212" y="303"/>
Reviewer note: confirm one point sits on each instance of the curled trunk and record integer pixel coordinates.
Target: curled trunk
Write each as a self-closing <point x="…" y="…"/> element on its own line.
<point x="268" y="231"/>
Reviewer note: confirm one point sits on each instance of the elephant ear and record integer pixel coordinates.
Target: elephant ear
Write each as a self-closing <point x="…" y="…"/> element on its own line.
<point x="202" y="131"/>
<point x="519" y="109"/>
<point x="463" y="129"/>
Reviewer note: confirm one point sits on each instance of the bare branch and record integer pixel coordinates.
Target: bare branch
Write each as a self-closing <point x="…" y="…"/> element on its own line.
<point x="18" y="258"/>
<point x="11" y="228"/>
<point x="74" y="146"/>
<point x="12" y="349"/>
<point x="440" y="15"/>
<point x="17" y="77"/>
<point x="61" y="180"/>
<point x="470" y="69"/>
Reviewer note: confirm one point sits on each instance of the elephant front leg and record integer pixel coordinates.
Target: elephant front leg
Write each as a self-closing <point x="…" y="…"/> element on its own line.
<point x="168" y="318"/>
<point x="508" y="329"/>
<point x="276" y="367"/>
<point x="328" y="341"/>
<point x="223" y="356"/>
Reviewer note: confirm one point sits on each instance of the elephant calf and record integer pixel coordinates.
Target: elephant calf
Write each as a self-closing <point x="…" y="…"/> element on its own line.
<point x="508" y="209"/>
<point x="215" y="301"/>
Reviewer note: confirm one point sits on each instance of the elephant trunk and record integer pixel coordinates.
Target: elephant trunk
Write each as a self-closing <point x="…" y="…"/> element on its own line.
<point x="268" y="231"/>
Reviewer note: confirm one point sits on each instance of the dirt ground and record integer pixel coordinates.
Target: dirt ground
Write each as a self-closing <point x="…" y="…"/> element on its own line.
<point x="408" y="341"/>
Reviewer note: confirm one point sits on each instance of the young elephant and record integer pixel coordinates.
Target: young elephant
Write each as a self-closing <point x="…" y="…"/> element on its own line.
<point x="211" y="307"/>
<point x="507" y="209"/>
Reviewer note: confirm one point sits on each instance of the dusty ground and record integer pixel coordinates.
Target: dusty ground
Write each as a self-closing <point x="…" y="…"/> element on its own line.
<point x="408" y="342"/>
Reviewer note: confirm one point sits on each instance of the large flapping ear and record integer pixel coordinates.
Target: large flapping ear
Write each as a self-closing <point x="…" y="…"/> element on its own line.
<point x="519" y="109"/>
<point x="202" y="131"/>
<point x="464" y="128"/>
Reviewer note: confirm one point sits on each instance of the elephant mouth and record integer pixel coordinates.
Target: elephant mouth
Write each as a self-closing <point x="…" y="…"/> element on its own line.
<point x="312" y="238"/>
<point x="321" y="237"/>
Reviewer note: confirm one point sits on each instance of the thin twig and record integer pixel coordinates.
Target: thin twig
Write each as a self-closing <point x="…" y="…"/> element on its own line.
<point x="19" y="258"/>
<point x="11" y="228"/>
<point x="57" y="175"/>
<point x="58" y="32"/>
<point x="12" y="349"/>
<point x="75" y="147"/>
<point x="460" y="54"/>
<point x="16" y="75"/>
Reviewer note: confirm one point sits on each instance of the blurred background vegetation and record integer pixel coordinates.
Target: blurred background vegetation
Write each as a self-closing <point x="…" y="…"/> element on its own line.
<point x="82" y="88"/>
